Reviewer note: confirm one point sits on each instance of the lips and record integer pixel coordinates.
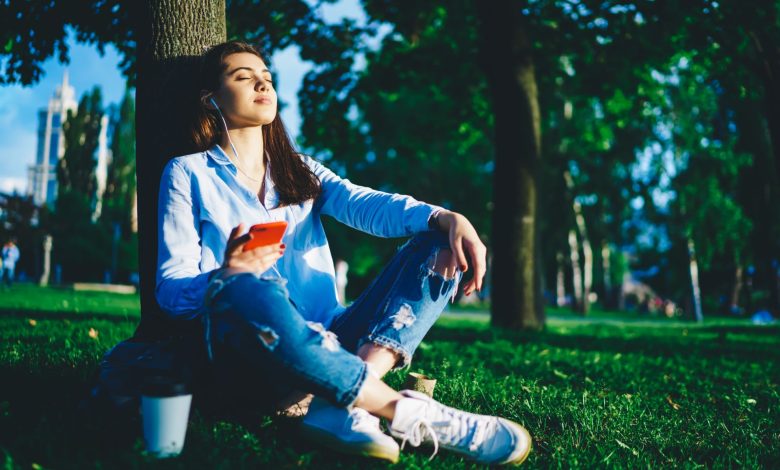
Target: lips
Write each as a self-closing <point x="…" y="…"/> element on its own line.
<point x="263" y="100"/>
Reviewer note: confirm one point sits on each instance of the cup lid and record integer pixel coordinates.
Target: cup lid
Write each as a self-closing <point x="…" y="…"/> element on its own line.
<point x="164" y="386"/>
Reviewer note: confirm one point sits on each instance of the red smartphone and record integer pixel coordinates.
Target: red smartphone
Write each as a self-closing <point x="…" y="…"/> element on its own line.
<point x="265" y="234"/>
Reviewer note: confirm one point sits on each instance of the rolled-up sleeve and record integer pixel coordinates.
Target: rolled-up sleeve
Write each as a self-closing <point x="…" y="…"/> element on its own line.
<point x="376" y="212"/>
<point x="180" y="283"/>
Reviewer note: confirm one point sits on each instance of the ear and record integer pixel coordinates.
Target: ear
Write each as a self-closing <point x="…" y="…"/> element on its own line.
<point x="205" y="99"/>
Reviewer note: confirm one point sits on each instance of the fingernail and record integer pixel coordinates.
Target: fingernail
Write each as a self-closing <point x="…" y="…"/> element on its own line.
<point x="283" y="246"/>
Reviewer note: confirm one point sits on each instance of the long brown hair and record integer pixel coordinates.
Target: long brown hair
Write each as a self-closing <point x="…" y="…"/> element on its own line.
<point x="294" y="181"/>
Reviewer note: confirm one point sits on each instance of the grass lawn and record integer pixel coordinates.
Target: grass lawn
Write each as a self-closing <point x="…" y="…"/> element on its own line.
<point x="612" y="391"/>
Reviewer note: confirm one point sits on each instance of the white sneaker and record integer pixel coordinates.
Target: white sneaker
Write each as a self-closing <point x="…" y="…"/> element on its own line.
<point x="352" y="431"/>
<point x="485" y="439"/>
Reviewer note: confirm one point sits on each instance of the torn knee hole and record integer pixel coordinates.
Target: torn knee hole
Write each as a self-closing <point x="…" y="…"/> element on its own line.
<point x="268" y="337"/>
<point x="404" y="317"/>
<point x="329" y="340"/>
<point x="442" y="262"/>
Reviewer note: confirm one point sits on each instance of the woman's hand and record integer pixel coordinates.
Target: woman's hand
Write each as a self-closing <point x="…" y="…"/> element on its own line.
<point x="258" y="260"/>
<point x="463" y="240"/>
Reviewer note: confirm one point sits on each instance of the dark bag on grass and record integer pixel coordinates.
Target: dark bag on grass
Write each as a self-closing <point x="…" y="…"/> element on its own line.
<point x="124" y="368"/>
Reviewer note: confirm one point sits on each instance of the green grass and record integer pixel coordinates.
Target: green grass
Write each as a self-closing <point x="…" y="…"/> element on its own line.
<point x="614" y="391"/>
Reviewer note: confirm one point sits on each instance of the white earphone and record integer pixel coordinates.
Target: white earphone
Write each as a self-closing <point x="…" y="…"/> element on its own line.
<point x="224" y="123"/>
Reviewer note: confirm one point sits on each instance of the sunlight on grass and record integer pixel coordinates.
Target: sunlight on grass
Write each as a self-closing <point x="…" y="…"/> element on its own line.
<point x="606" y="393"/>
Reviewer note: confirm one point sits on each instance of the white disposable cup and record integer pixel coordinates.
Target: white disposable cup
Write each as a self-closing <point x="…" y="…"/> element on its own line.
<point x="165" y="423"/>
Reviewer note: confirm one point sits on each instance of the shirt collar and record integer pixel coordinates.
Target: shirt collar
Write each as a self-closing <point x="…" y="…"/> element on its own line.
<point x="218" y="155"/>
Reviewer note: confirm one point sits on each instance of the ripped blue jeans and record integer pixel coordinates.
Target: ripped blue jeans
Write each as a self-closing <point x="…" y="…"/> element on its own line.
<point x="258" y="340"/>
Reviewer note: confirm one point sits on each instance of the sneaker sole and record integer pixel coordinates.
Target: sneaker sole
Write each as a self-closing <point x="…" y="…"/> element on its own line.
<point x="369" y="449"/>
<point x="517" y="460"/>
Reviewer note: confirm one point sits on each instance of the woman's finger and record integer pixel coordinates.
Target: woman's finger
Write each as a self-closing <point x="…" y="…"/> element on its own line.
<point x="266" y="249"/>
<point x="456" y="244"/>
<point x="235" y="245"/>
<point x="478" y="260"/>
<point x="469" y="287"/>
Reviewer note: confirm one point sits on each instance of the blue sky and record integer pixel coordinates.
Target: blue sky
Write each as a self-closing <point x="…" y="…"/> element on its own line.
<point x="19" y="105"/>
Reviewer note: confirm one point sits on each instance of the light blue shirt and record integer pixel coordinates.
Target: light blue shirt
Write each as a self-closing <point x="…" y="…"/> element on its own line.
<point x="10" y="256"/>
<point x="201" y="200"/>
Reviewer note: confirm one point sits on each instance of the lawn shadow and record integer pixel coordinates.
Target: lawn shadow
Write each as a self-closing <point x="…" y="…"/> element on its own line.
<point x="44" y="421"/>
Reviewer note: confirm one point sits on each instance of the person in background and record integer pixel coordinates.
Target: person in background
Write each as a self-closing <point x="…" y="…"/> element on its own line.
<point x="10" y="255"/>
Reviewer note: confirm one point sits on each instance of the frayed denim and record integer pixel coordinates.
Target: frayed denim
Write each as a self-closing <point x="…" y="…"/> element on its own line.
<point x="251" y="321"/>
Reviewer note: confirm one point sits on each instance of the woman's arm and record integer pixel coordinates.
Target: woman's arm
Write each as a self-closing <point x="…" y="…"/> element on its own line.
<point x="395" y="215"/>
<point x="368" y="210"/>
<point x="180" y="283"/>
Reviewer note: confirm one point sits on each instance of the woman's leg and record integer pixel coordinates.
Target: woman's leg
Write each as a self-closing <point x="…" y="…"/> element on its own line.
<point x="254" y="330"/>
<point x="387" y="323"/>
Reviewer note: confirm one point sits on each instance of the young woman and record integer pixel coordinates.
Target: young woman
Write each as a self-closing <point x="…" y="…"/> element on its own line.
<point x="273" y="309"/>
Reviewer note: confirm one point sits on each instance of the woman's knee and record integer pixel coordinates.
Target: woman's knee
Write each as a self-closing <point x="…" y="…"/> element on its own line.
<point x="244" y="305"/>
<point x="242" y="290"/>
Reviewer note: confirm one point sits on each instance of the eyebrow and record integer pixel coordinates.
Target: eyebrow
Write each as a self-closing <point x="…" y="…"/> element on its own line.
<point x="247" y="68"/>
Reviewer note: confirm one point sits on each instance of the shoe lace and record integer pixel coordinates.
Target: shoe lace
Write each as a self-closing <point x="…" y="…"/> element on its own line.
<point x="452" y="427"/>
<point x="416" y="434"/>
<point x="362" y="420"/>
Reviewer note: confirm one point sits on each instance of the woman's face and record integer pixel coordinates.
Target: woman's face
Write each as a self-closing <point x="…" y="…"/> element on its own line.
<point x="246" y="94"/>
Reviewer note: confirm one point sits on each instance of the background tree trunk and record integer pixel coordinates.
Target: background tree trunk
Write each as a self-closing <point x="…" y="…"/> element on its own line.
<point x="770" y="69"/>
<point x="172" y="34"/>
<point x="760" y="188"/>
<point x="560" y="281"/>
<point x="696" y="292"/>
<point x="576" y="272"/>
<point x="607" y="276"/>
<point x="735" y="291"/>
<point x="508" y="63"/>
<point x="583" y="303"/>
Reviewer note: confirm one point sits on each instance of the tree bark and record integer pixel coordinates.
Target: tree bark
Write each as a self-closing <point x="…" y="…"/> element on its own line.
<point x="770" y="75"/>
<point x="583" y="306"/>
<point x="695" y="291"/>
<point x="509" y="67"/>
<point x="760" y="192"/>
<point x="735" y="291"/>
<point x="560" y="281"/>
<point x="576" y="271"/>
<point x="607" y="276"/>
<point x="172" y="34"/>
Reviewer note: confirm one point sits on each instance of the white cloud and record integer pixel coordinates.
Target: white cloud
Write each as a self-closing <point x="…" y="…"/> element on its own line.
<point x="13" y="185"/>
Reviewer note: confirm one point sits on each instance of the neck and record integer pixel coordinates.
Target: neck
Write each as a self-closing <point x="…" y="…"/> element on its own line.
<point x="248" y="142"/>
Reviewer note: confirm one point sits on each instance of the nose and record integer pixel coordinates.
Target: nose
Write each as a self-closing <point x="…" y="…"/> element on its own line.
<point x="261" y="84"/>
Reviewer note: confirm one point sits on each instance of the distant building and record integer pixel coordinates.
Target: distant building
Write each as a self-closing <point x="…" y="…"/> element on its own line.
<point x="42" y="177"/>
<point x="101" y="169"/>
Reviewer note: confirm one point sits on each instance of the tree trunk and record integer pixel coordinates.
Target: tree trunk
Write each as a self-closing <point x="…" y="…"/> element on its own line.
<point x="734" y="303"/>
<point x="508" y="64"/>
<point x="560" y="281"/>
<point x="587" y="252"/>
<point x="576" y="272"/>
<point x="759" y="193"/>
<point x="694" y="270"/>
<point x="621" y="301"/>
<point x="607" y="275"/>
<point x="770" y="68"/>
<point x="171" y="36"/>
